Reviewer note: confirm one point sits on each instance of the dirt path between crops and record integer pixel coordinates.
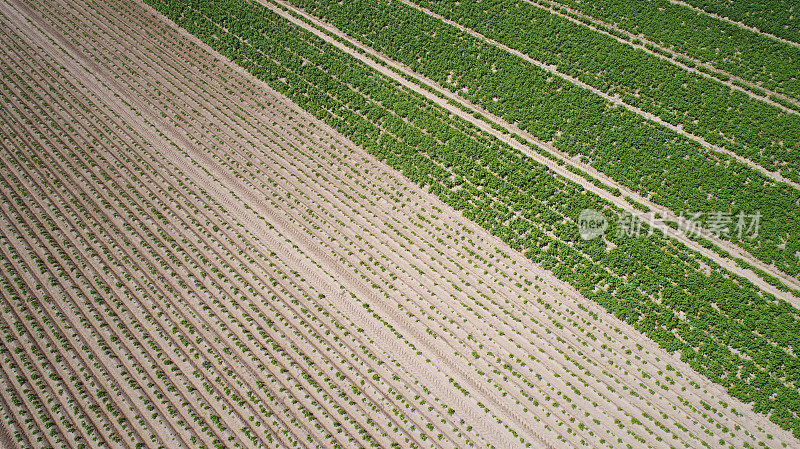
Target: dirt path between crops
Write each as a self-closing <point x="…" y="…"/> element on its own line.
<point x="595" y="21"/>
<point x="620" y="202"/>
<point x="6" y="442"/>
<point x="739" y="24"/>
<point x="614" y="99"/>
<point x="633" y="332"/>
<point x="326" y="276"/>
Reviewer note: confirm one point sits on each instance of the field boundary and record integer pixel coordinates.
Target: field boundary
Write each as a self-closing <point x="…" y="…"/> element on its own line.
<point x="390" y="68"/>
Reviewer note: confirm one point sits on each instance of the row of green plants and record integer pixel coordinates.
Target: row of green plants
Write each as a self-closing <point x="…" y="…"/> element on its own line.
<point x="242" y="164"/>
<point x="777" y="17"/>
<point x="732" y="332"/>
<point x="197" y="225"/>
<point x="135" y="214"/>
<point x="187" y="326"/>
<point x="729" y="47"/>
<point x="701" y="105"/>
<point x="242" y="171"/>
<point x="237" y="168"/>
<point x="83" y="300"/>
<point x="673" y="171"/>
<point x="218" y="227"/>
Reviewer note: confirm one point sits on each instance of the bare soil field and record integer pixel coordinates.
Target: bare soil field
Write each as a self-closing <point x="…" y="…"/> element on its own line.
<point x="191" y="260"/>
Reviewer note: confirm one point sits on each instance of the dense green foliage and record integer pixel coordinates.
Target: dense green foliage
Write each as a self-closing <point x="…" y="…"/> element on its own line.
<point x="702" y="106"/>
<point x="649" y="159"/>
<point x="729" y="47"/>
<point x="725" y="327"/>
<point x="778" y="17"/>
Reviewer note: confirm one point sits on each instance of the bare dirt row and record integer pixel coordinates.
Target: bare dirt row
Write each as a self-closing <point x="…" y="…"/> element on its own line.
<point x="409" y="382"/>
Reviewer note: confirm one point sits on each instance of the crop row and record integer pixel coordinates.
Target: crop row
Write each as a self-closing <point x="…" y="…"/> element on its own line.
<point x="726" y="46"/>
<point x="238" y="165"/>
<point x="186" y="338"/>
<point x="210" y="138"/>
<point x="702" y="106"/>
<point x="242" y="166"/>
<point x="776" y="17"/>
<point x="452" y="164"/>
<point x="658" y="163"/>
<point x="229" y="159"/>
<point x="120" y="268"/>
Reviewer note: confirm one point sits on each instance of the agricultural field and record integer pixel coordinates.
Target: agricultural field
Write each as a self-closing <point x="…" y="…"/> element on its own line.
<point x="399" y="223"/>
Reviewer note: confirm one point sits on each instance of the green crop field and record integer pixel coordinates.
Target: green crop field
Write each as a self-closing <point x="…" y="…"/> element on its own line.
<point x="399" y="223"/>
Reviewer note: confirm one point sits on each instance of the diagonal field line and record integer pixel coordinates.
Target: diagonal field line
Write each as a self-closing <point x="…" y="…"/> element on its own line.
<point x="615" y="99"/>
<point x="387" y="67"/>
<point x="731" y="21"/>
